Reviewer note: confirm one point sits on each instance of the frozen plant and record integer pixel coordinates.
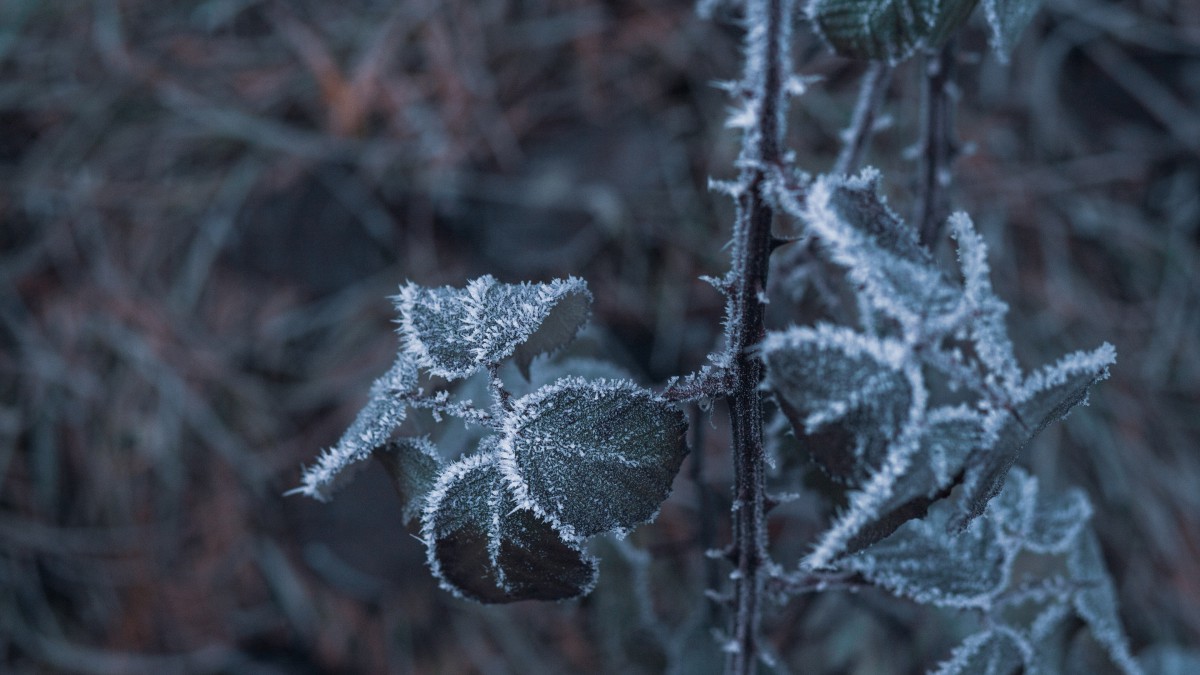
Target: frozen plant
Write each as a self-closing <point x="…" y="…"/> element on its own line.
<point x="914" y="403"/>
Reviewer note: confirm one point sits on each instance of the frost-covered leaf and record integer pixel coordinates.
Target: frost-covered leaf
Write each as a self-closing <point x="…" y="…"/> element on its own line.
<point x="921" y="562"/>
<point x="371" y="428"/>
<point x="989" y="652"/>
<point x="1096" y="601"/>
<point x="843" y="390"/>
<point x="949" y="437"/>
<point x="482" y="546"/>
<point x="1046" y="396"/>
<point x="951" y="434"/>
<point x="414" y="465"/>
<point x="881" y="254"/>
<point x="1047" y="524"/>
<point x="886" y="29"/>
<point x="454" y="332"/>
<point x="593" y="456"/>
<point x="986" y="330"/>
<point x="1008" y="19"/>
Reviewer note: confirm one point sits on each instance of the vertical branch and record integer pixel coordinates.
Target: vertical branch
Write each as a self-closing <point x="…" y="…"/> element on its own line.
<point x="937" y="146"/>
<point x="856" y="137"/>
<point x="707" y="534"/>
<point x="763" y="85"/>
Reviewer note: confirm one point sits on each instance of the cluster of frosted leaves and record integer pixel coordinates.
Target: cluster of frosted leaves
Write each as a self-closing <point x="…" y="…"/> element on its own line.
<point x="573" y="459"/>
<point x="454" y="332"/>
<point x="858" y="399"/>
<point x="892" y="30"/>
<point x="976" y="569"/>
<point x="566" y="460"/>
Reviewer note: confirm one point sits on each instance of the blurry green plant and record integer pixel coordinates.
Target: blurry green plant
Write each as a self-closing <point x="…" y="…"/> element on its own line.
<point x="913" y="404"/>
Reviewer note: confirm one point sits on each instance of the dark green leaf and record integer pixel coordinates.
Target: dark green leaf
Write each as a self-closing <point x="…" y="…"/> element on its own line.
<point x="454" y="332"/>
<point x="1045" y="397"/>
<point x="843" y="392"/>
<point x="888" y="30"/>
<point x="414" y="465"/>
<point x="483" y="547"/>
<point x="593" y="456"/>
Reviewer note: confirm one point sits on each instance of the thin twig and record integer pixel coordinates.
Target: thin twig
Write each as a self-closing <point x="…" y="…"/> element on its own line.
<point x="937" y="146"/>
<point x="862" y="126"/>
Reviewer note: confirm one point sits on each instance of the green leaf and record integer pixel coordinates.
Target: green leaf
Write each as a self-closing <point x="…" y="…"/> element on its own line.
<point x="949" y="438"/>
<point x="453" y="332"/>
<point x="414" y="464"/>
<point x="482" y="546"/>
<point x="1008" y="19"/>
<point x="888" y="30"/>
<point x="889" y="268"/>
<point x="1096" y="601"/>
<point x="593" y="456"/>
<point x="371" y="428"/>
<point x="921" y="562"/>
<point x="1044" y="397"/>
<point x="843" y="391"/>
<point x="1046" y="524"/>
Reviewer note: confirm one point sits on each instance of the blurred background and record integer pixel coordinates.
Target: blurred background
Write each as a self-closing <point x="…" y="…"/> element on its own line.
<point x="205" y="204"/>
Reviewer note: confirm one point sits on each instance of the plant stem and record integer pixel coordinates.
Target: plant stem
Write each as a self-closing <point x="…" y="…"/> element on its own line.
<point x="937" y="146"/>
<point x="862" y="125"/>
<point x="767" y="69"/>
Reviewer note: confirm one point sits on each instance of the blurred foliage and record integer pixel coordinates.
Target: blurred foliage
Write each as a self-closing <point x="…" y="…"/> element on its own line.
<point x="203" y="206"/>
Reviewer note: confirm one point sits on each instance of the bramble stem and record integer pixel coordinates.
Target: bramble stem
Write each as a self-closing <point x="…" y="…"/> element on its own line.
<point x="767" y="70"/>
<point x="937" y="146"/>
<point x="862" y="125"/>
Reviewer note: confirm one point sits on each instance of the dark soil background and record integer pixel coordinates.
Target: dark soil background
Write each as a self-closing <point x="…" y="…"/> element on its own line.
<point x="204" y="206"/>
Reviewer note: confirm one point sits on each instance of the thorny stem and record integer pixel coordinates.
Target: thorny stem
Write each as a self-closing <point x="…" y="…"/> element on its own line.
<point x="500" y="395"/>
<point x="706" y="535"/>
<point x="767" y="69"/>
<point x="862" y="125"/>
<point x="937" y="146"/>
